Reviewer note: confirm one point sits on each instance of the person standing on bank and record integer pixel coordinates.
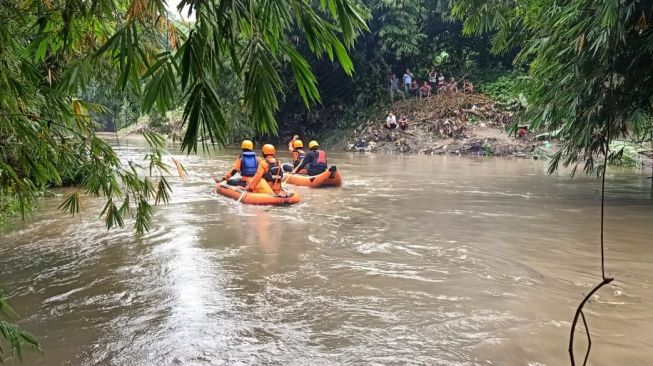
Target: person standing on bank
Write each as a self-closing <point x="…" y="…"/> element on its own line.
<point x="408" y="79"/>
<point x="433" y="79"/>
<point x="394" y="88"/>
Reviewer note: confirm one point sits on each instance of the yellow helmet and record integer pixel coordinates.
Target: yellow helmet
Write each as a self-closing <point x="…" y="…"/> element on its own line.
<point x="247" y="145"/>
<point x="313" y="144"/>
<point x="268" y="149"/>
<point x="297" y="144"/>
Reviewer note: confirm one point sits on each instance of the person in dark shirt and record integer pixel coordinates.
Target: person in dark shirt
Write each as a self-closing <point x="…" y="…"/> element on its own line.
<point x="315" y="161"/>
<point x="425" y="90"/>
<point x="394" y="88"/>
<point x="403" y="122"/>
<point x="414" y="89"/>
<point x="296" y="147"/>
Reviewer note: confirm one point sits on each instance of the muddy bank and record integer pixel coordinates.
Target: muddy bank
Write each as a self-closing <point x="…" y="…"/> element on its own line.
<point x="458" y="124"/>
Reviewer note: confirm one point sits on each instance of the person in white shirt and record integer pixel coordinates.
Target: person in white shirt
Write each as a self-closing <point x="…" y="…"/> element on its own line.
<point x="408" y="79"/>
<point x="391" y="121"/>
<point x="442" y="84"/>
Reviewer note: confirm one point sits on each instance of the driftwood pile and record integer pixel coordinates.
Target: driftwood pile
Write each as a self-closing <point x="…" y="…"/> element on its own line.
<point x="448" y="123"/>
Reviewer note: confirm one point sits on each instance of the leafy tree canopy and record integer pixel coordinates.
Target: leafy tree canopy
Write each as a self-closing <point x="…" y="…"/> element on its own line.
<point x="589" y="63"/>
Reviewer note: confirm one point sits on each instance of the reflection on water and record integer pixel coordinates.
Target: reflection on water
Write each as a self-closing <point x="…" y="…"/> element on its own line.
<point x="416" y="260"/>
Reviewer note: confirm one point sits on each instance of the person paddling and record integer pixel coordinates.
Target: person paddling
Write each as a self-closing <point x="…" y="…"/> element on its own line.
<point x="315" y="161"/>
<point x="246" y="164"/>
<point x="269" y="173"/>
<point x="296" y="148"/>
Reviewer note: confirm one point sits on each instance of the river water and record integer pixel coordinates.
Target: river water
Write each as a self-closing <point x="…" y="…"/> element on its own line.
<point x="415" y="260"/>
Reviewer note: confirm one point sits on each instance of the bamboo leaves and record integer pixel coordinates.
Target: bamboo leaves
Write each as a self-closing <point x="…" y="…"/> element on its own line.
<point x="162" y="88"/>
<point x="262" y="83"/>
<point x="71" y="204"/>
<point x="248" y="38"/>
<point x="306" y="81"/>
<point x="17" y="338"/>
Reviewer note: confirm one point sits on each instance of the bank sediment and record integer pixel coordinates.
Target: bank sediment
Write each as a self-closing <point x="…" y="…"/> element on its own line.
<point x="461" y="124"/>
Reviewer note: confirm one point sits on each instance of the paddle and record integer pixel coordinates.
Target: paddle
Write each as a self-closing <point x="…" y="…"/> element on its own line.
<point x="294" y="171"/>
<point x="242" y="195"/>
<point x="333" y="170"/>
<point x="279" y="174"/>
<point x="180" y="170"/>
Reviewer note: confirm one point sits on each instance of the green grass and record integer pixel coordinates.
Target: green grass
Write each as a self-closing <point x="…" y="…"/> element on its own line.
<point x="9" y="207"/>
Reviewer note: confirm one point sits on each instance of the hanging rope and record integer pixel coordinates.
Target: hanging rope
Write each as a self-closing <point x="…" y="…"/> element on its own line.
<point x="605" y="280"/>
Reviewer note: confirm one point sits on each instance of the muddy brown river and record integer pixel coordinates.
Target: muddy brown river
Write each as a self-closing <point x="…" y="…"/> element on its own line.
<point x="416" y="260"/>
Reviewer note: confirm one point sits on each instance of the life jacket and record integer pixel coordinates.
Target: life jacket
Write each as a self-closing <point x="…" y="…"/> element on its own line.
<point x="321" y="157"/>
<point x="248" y="164"/>
<point x="297" y="156"/>
<point x="275" y="171"/>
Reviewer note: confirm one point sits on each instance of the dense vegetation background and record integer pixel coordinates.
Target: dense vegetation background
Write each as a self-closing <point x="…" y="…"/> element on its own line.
<point x="273" y="68"/>
<point x="402" y="34"/>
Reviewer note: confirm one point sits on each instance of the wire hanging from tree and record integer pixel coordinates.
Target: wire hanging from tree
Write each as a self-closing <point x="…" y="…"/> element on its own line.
<point x="606" y="152"/>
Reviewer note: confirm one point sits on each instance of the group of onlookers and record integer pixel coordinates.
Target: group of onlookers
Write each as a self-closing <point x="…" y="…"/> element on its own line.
<point x="435" y="83"/>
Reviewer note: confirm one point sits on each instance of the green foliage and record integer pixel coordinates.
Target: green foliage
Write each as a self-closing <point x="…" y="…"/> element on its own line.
<point x="17" y="339"/>
<point x="252" y="40"/>
<point x="588" y="65"/>
<point x="9" y="206"/>
<point x="401" y="30"/>
<point x="487" y="149"/>
<point x="403" y="34"/>
<point x="626" y="154"/>
<point x="160" y="122"/>
<point x="441" y="58"/>
<point x="503" y="88"/>
<point x="121" y="108"/>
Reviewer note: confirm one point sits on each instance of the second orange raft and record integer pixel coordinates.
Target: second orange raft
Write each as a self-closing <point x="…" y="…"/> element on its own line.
<point x="251" y="198"/>
<point x="331" y="177"/>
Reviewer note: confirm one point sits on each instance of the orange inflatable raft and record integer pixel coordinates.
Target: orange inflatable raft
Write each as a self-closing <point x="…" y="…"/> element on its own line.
<point x="251" y="198"/>
<point x="330" y="178"/>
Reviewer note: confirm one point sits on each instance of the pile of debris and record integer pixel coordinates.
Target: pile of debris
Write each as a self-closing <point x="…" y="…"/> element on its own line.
<point x="445" y="124"/>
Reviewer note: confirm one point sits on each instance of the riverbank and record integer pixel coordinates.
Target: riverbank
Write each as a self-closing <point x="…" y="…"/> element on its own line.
<point x="449" y="124"/>
<point x="460" y="124"/>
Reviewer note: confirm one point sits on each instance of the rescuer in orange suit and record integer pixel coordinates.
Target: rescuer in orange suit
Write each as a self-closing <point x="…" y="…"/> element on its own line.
<point x="269" y="173"/>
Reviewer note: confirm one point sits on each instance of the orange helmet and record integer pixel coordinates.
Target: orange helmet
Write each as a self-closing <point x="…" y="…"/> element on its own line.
<point x="297" y="144"/>
<point x="247" y="145"/>
<point x="268" y="149"/>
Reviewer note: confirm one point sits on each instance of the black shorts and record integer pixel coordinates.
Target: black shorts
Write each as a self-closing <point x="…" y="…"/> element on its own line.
<point x="316" y="169"/>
